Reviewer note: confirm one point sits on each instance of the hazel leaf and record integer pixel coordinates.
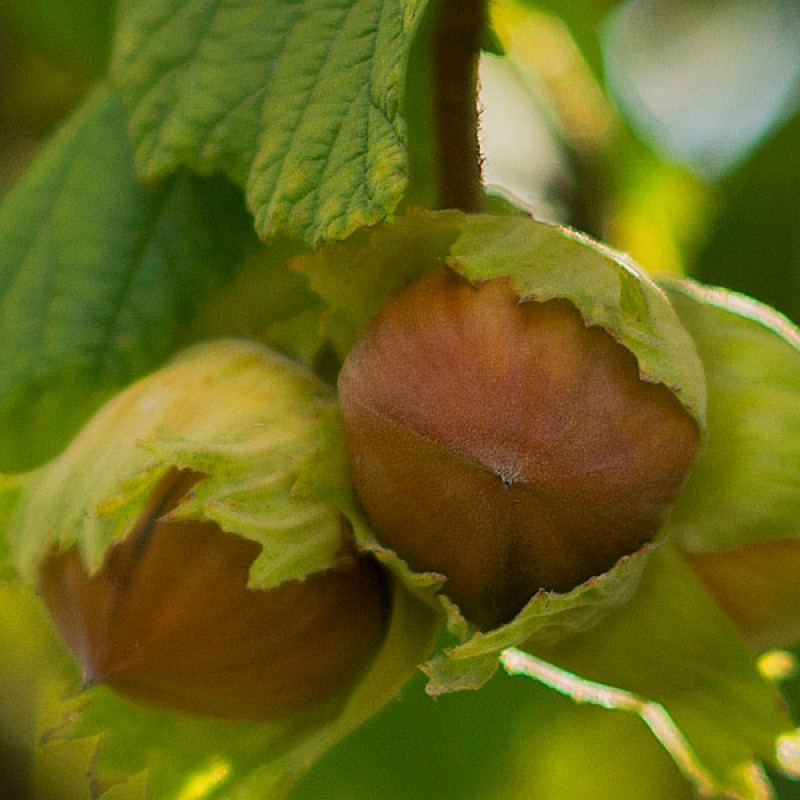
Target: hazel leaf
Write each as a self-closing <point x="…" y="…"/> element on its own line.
<point x="299" y="102"/>
<point x="97" y="275"/>
<point x="672" y="646"/>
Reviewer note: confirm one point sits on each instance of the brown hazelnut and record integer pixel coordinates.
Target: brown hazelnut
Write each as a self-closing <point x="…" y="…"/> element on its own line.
<point x="168" y="619"/>
<point x="506" y="445"/>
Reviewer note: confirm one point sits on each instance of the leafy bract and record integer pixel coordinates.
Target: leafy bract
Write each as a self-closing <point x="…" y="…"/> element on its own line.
<point x="97" y="274"/>
<point x="673" y="647"/>
<point x="301" y="102"/>
<point x="744" y="486"/>
<point x="737" y="517"/>
<point x="547" y="617"/>
<point x="240" y="416"/>
<point x="356" y="278"/>
<point x="541" y="261"/>
<point x="545" y="261"/>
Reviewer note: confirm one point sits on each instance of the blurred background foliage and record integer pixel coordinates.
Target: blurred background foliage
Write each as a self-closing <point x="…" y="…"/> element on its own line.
<point x="670" y="129"/>
<point x="51" y="53"/>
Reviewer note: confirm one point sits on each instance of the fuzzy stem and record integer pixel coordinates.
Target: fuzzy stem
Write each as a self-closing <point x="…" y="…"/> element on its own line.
<point x="456" y="46"/>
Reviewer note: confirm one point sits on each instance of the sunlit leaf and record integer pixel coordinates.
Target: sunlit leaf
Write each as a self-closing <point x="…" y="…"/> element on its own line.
<point x="300" y="102"/>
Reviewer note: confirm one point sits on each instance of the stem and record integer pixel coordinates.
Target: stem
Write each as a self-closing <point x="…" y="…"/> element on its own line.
<point x="654" y="715"/>
<point x="456" y="46"/>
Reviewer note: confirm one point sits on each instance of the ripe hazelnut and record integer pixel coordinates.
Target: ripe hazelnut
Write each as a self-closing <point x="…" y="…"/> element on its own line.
<point x="168" y="619"/>
<point x="506" y="445"/>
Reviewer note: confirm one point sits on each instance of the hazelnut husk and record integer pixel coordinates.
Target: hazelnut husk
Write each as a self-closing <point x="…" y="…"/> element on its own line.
<point x="505" y="444"/>
<point x="170" y="621"/>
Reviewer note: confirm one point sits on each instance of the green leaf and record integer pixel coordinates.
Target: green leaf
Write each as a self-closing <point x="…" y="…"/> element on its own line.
<point x="744" y="486"/>
<point x="301" y="102"/>
<point x="671" y="646"/>
<point x="97" y="274"/>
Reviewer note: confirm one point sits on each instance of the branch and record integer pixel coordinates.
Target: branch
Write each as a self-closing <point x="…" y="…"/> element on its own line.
<point x="456" y="46"/>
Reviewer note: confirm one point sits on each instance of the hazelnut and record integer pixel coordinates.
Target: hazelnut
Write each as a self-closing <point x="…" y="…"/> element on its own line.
<point x="501" y="442"/>
<point x="168" y="619"/>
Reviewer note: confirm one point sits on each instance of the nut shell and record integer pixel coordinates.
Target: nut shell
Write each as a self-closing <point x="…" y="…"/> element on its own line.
<point x="168" y="619"/>
<point x="505" y="444"/>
